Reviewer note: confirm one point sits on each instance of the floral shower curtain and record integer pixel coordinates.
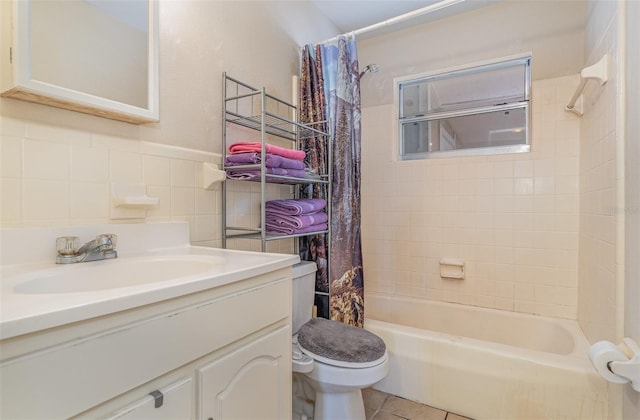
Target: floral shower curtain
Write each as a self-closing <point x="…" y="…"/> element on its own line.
<point x="330" y="90"/>
<point x="313" y="111"/>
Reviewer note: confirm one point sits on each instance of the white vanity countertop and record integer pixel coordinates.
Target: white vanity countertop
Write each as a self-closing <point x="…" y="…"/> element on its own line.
<point x="33" y="297"/>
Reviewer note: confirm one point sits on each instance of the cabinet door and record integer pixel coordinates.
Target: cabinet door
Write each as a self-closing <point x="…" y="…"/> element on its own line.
<point x="176" y="404"/>
<point x="251" y="382"/>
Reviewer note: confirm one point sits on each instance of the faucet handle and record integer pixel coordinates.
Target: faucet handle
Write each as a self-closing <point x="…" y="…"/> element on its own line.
<point x="67" y="245"/>
<point x="113" y="238"/>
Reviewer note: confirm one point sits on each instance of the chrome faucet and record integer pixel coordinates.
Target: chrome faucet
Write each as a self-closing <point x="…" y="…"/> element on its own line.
<point x="101" y="248"/>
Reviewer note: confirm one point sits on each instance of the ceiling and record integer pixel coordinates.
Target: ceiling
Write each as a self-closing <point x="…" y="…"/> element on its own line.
<point x="350" y="15"/>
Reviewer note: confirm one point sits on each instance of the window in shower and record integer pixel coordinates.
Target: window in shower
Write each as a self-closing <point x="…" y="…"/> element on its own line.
<point x="483" y="109"/>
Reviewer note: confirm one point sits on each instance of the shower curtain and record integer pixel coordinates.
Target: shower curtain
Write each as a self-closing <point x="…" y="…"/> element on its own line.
<point x="330" y="91"/>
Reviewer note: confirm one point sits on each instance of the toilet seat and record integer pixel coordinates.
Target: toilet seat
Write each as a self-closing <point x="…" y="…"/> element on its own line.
<point x="300" y="362"/>
<point x="336" y="344"/>
<point x="338" y="363"/>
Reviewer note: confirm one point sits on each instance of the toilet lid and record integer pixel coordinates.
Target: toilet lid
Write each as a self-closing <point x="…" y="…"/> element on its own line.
<point x="338" y="344"/>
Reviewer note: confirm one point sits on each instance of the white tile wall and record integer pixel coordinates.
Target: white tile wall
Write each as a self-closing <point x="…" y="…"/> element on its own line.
<point x="244" y="211"/>
<point x="512" y="218"/>
<point x="598" y="209"/>
<point x="53" y="176"/>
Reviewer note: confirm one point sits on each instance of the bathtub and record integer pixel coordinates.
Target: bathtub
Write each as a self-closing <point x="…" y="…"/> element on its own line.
<point x="486" y="363"/>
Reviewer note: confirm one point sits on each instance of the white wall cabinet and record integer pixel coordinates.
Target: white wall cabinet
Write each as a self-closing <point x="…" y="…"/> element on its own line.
<point x="110" y="70"/>
<point x="223" y="353"/>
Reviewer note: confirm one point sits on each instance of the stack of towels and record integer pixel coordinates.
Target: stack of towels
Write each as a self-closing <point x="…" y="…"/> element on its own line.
<point x="278" y="161"/>
<point x="292" y="217"/>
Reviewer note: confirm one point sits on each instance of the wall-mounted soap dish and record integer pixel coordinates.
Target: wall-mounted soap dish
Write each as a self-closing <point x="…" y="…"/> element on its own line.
<point x="130" y="201"/>
<point x="451" y="268"/>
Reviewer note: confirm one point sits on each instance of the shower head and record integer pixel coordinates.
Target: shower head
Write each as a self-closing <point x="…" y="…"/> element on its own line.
<point x="370" y="68"/>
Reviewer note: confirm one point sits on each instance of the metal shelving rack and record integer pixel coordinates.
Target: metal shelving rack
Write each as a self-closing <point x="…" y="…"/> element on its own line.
<point x="255" y="109"/>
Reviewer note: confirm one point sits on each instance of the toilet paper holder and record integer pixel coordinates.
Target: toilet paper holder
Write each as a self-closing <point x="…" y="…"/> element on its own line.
<point x="626" y="366"/>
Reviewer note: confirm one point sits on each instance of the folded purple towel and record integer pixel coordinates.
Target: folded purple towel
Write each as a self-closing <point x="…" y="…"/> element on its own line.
<point x="272" y="161"/>
<point x="295" y="207"/>
<point x="254" y="174"/>
<point x="281" y="230"/>
<point x="295" y="222"/>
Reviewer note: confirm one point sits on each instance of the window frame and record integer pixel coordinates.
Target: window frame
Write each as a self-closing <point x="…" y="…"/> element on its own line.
<point x="434" y="116"/>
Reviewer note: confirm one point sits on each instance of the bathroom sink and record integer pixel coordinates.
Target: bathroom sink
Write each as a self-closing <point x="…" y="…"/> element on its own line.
<point x="156" y="262"/>
<point x="117" y="273"/>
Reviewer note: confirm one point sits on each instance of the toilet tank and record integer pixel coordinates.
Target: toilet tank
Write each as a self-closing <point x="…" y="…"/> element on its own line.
<point x="303" y="289"/>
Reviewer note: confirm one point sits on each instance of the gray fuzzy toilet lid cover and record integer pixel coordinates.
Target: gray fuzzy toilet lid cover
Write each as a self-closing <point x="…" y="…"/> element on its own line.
<point x="337" y="341"/>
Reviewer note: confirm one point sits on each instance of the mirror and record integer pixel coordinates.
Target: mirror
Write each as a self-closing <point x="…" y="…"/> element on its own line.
<point x="94" y="56"/>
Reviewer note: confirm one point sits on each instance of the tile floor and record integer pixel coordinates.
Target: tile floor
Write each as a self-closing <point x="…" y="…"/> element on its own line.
<point x="382" y="406"/>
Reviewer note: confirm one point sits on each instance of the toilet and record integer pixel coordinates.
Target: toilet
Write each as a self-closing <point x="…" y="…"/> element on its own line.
<point x="331" y="360"/>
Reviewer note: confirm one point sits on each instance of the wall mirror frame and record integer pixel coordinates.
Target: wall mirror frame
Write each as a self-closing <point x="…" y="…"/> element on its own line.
<point x="19" y="81"/>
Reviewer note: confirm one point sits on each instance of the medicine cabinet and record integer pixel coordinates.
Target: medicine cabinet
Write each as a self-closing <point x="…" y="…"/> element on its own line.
<point x="98" y="57"/>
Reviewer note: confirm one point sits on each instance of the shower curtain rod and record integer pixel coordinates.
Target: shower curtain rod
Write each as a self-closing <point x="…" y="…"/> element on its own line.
<point x="402" y="18"/>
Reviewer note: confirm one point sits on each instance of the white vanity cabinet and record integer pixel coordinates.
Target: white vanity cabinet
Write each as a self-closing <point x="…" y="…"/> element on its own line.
<point x="249" y="382"/>
<point x="170" y="403"/>
<point x="221" y="353"/>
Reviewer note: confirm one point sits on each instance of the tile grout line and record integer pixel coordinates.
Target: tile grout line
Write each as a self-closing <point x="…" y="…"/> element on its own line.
<point x="387" y="395"/>
<point x="380" y="407"/>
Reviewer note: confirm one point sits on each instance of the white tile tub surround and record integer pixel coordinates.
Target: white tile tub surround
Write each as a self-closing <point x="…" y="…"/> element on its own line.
<point x="56" y="177"/>
<point x="512" y="218"/>
<point x="600" y="184"/>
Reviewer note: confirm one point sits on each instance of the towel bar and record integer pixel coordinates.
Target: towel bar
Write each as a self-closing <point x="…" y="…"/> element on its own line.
<point x="599" y="71"/>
